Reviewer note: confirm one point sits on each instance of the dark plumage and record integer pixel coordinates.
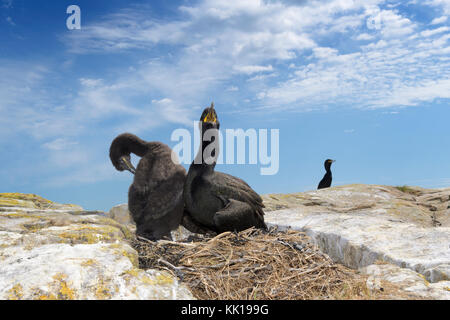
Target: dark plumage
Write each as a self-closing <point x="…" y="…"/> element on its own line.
<point x="326" y="180"/>
<point x="155" y="198"/>
<point x="214" y="200"/>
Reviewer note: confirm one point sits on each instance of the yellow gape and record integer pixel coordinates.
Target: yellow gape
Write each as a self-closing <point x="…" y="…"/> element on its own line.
<point x="210" y="117"/>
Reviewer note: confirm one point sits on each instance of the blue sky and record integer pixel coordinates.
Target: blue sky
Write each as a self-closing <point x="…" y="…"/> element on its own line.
<point x="364" y="82"/>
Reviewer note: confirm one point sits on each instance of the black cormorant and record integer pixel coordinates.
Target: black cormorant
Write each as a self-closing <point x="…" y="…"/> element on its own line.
<point x="214" y="200"/>
<point x="326" y="180"/>
<point x="155" y="198"/>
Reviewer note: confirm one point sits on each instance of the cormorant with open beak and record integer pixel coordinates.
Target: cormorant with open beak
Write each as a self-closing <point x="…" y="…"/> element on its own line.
<point x="214" y="200"/>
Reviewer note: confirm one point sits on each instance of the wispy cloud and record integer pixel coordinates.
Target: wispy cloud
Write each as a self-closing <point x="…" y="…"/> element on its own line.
<point x="392" y="54"/>
<point x="252" y="69"/>
<point x="432" y="32"/>
<point x="439" y="20"/>
<point x="59" y="144"/>
<point x="273" y="55"/>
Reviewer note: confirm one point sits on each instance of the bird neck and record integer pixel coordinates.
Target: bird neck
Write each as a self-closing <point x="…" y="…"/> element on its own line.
<point x="128" y="143"/>
<point x="207" y="154"/>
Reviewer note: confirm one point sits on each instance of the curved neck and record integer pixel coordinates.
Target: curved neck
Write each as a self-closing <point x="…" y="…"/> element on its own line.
<point x="127" y="143"/>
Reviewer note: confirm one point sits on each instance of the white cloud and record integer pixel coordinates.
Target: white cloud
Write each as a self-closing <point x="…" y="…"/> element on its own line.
<point x="432" y="32"/>
<point x="91" y="82"/>
<point x="443" y="4"/>
<point x="439" y="20"/>
<point x="389" y="72"/>
<point x="232" y="88"/>
<point x="215" y="40"/>
<point x="410" y="95"/>
<point x="219" y="39"/>
<point x="252" y="69"/>
<point x="364" y="36"/>
<point x="59" y="144"/>
<point x="273" y="56"/>
<point x="395" y="25"/>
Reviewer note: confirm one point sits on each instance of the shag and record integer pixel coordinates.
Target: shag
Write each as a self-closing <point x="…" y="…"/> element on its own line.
<point x="326" y="180"/>
<point x="155" y="198"/>
<point x="214" y="200"/>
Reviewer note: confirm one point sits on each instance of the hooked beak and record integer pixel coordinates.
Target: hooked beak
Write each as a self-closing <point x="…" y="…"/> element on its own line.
<point x="128" y="165"/>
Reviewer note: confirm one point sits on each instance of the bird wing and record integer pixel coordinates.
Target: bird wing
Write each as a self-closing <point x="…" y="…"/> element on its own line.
<point x="230" y="187"/>
<point x="234" y="188"/>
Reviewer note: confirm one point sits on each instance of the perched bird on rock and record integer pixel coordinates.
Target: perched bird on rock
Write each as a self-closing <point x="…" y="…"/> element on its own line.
<point x="155" y="198"/>
<point x="326" y="180"/>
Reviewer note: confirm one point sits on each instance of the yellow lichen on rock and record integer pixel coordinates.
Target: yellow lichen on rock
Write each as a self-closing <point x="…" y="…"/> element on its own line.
<point x="63" y="252"/>
<point x="133" y="272"/>
<point x="125" y="251"/>
<point x="47" y="297"/>
<point x="102" y="292"/>
<point x="64" y="290"/>
<point x="88" y="263"/>
<point x="16" y="292"/>
<point x="164" y="279"/>
<point x="9" y="202"/>
<point x="159" y="279"/>
<point x="113" y="223"/>
<point x="90" y="234"/>
<point x="27" y="200"/>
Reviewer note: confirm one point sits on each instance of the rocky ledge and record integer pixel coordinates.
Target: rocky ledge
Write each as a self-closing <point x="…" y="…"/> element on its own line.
<point x="391" y="234"/>
<point x="398" y="234"/>
<point x="55" y="251"/>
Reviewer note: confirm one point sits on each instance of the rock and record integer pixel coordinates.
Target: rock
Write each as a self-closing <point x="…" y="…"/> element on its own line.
<point x="121" y="214"/>
<point x="61" y="251"/>
<point x="358" y="225"/>
<point x="407" y="279"/>
<point x="55" y="251"/>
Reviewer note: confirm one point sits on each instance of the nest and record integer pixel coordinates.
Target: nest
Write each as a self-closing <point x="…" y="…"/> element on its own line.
<point x="253" y="264"/>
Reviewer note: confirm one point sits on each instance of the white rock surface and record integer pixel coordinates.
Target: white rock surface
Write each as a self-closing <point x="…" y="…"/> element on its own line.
<point x="53" y="251"/>
<point x="358" y="225"/>
<point x="407" y="279"/>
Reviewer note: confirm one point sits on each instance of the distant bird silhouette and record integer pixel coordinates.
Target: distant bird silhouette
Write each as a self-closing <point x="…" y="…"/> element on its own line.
<point x="214" y="200"/>
<point x="326" y="180"/>
<point x="155" y="198"/>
